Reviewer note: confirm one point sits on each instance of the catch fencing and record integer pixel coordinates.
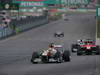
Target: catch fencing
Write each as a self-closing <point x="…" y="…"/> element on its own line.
<point x="22" y="24"/>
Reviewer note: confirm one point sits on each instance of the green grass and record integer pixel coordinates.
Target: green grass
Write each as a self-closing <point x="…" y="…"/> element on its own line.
<point x="17" y="30"/>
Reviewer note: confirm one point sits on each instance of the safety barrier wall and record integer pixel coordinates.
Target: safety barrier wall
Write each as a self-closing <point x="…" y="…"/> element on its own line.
<point x="17" y="26"/>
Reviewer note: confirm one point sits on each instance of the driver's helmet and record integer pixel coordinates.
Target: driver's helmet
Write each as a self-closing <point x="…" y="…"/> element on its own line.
<point x="51" y="45"/>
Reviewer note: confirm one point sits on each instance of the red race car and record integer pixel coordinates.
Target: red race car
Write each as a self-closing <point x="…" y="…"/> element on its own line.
<point x="88" y="48"/>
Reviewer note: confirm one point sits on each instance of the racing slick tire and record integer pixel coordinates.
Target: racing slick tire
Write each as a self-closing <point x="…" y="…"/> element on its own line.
<point x="73" y="47"/>
<point x="97" y="50"/>
<point x="66" y="56"/>
<point x="79" y="52"/>
<point x="34" y="56"/>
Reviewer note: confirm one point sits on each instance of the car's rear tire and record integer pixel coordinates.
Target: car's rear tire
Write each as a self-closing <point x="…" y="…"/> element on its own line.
<point x="66" y="56"/>
<point x="97" y="50"/>
<point x="74" y="46"/>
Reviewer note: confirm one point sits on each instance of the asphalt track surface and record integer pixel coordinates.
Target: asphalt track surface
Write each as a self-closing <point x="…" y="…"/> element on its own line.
<point x="15" y="52"/>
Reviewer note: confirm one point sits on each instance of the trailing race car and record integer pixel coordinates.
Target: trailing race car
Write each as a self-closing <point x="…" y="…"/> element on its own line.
<point x="74" y="47"/>
<point x="59" y="34"/>
<point x="88" y="48"/>
<point x="55" y="53"/>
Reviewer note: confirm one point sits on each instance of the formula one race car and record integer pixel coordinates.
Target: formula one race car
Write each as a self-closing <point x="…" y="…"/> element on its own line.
<point x="59" y="34"/>
<point x="74" y="47"/>
<point x="55" y="53"/>
<point x="88" y="48"/>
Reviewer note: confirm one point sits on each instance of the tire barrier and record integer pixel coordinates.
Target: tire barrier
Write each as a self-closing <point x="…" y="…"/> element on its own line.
<point x="20" y="25"/>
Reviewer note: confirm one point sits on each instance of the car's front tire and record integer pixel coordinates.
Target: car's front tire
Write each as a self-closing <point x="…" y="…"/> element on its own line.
<point x="34" y="56"/>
